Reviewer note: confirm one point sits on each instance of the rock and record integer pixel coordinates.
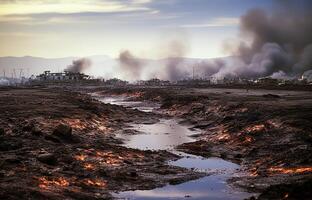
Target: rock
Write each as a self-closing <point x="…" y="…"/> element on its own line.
<point x="63" y="131"/>
<point x="36" y="131"/>
<point x="47" y="158"/>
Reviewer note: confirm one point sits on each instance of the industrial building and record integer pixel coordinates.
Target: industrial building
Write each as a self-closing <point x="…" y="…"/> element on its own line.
<point x="62" y="76"/>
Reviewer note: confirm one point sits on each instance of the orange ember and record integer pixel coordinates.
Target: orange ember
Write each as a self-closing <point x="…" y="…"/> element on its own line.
<point x="248" y="139"/>
<point x="88" y="166"/>
<point x="290" y="170"/>
<point x="95" y="182"/>
<point x="44" y="183"/>
<point x="80" y="157"/>
<point x="75" y="123"/>
<point x="255" y="128"/>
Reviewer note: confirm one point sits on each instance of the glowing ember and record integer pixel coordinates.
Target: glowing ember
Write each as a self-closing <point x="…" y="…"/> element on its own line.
<point x="255" y="128"/>
<point x="223" y="137"/>
<point x="44" y="183"/>
<point x="286" y="196"/>
<point x="290" y="170"/>
<point x="249" y="139"/>
<point x="88" y="166"/>
<point x="75" y="123"/>
<point x="80" y="157"/>
<point x="95" y="182"/>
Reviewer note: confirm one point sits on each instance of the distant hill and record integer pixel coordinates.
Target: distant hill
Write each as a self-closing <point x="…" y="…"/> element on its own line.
<point x="36" y="65"/>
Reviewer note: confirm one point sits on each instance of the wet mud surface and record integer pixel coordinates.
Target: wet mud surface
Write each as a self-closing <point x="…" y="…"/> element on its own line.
<point x="267" y="132"/>
<point x="58" y="144"/>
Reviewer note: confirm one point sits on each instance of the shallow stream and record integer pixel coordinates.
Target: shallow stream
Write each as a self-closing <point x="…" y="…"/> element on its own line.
<point x="166" y="135"/>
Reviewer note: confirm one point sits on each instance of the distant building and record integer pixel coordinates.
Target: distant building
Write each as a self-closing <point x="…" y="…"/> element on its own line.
<point x="62" y="76"/>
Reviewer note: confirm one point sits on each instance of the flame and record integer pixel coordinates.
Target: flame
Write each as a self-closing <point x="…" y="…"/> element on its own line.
<point x="286" y="196"/>
<point x="44" y="183"/>
<point x="294" y="170"/>
<point x="95" y="182"/>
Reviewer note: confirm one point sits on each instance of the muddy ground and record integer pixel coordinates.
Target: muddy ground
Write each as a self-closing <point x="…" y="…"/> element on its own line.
<point x="268" y="132"/>
<point x="60" y="144"/>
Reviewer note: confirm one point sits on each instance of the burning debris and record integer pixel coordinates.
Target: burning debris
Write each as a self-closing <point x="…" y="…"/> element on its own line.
<point x="95" y="182"/>
<point x="294" y="170"/>
<point x="51" y="183"/>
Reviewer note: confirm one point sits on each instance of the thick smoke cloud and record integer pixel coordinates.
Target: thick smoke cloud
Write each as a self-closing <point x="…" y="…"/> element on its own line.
<point x="173" y="50"/>
<point x="130" y="65"/>
<point x="79" y="65"/>
<point x="280" y="42"/>
<point x="276" y="43"/>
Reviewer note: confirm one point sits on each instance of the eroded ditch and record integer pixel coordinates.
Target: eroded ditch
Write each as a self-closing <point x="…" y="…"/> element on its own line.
<point x="166" y="135"/>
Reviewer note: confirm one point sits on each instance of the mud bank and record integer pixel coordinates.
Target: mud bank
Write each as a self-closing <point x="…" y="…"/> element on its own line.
<point x="268" y="132"/>
<point x="58" y="144"/>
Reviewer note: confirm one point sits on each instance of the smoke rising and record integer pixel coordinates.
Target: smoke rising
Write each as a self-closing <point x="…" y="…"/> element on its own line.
<point x="79" y="65"/>
<point x="176" y="51"/>
<point x="130" y="65"/>
<point x="173" y="50"/>
<point x="276" y="43"/>
<point x="280" y="42"/>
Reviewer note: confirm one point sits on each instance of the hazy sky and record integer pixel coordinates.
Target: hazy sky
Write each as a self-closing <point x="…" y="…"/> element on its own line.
<point x="60" y="28"/>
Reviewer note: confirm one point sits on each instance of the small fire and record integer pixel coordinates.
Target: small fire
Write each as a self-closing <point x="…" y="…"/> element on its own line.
<point x="80" y="157"/>
<point x="294" y="170"/>
<point x="286" y="196"/>
<point x="95" y="182"/>
<point x="223" y="137"/>
<point x="248" y="139"/>
<point x="44" y="183"/>
<point x="88" y="166"/>
<point x="255" y="128"/>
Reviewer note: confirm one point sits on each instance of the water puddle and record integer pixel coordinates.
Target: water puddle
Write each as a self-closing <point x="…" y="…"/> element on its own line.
<point x="124" y="101"/>
<point x="166" y="135"/>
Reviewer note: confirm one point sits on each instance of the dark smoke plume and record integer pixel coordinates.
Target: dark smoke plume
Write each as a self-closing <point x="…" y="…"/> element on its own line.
<point x="280" y="42"/>
<point x="130" y="65"/>
<point x="79" y="65"/>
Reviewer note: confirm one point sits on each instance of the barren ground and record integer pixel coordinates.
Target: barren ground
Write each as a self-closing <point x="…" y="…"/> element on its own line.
<point x="58" y="144"/>
<point x="268" y="132"/>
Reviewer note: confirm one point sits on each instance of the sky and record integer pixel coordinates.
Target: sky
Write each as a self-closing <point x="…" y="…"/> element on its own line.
<point x="61" y="28"/>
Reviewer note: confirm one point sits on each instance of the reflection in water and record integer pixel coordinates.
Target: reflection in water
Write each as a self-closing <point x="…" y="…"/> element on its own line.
<point x="210" y="187"/>
<point x="166" y="135"/>
<point x="123" y="101"/>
